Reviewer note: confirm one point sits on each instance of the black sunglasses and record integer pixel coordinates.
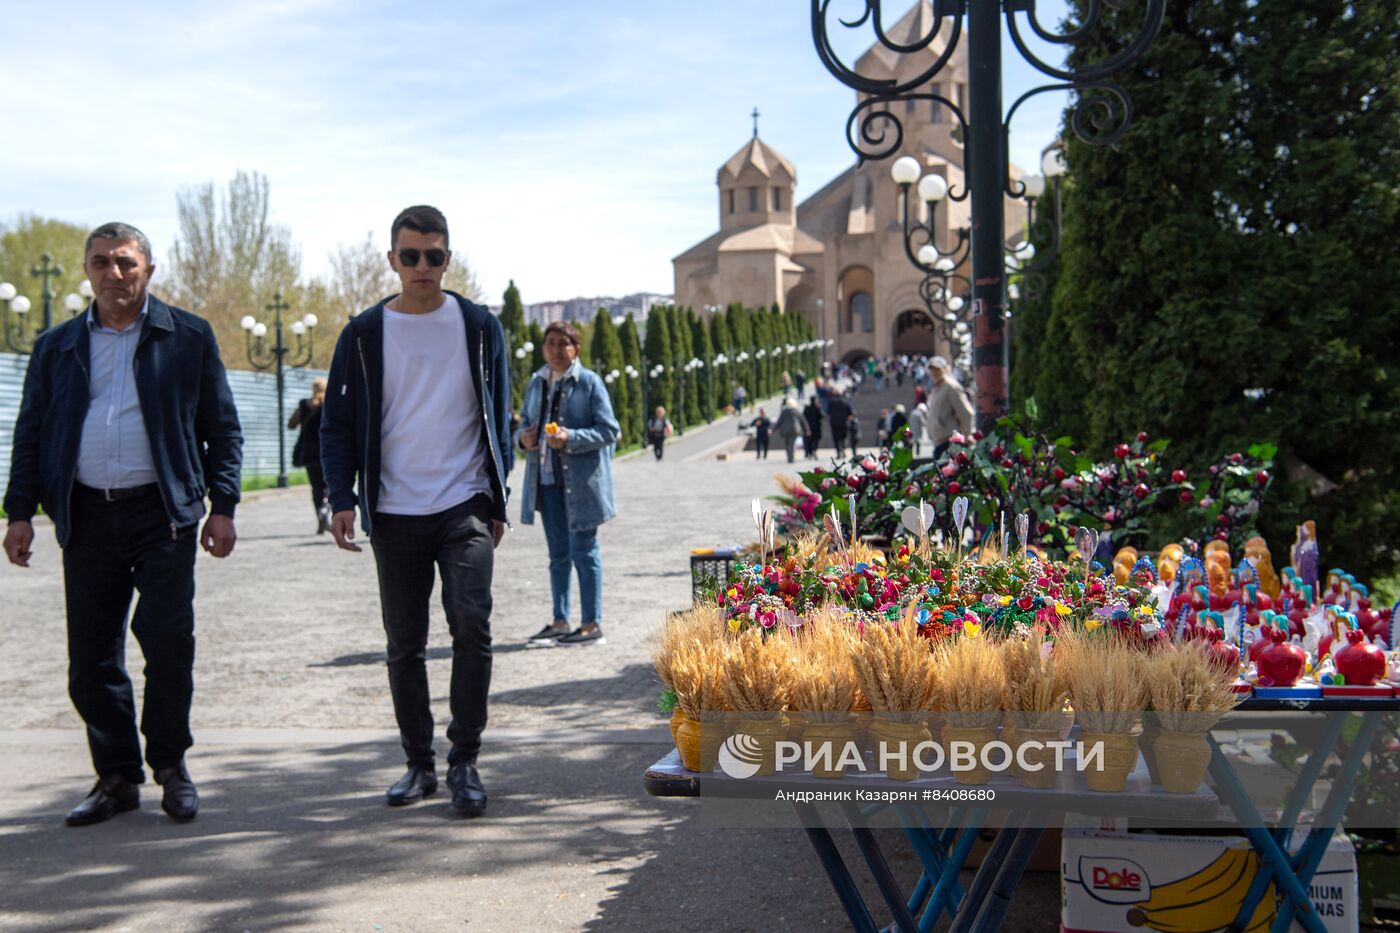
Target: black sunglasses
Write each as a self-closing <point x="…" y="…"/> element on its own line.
<point x="410" y="257"/>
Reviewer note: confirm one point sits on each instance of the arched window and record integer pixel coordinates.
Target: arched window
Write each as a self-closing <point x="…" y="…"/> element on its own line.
<point x="862" y="313"/>
<point x="753" y="199"/>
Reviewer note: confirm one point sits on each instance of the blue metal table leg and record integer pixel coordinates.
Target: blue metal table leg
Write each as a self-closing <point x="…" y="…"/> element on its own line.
<point x="1315" y="846"/>
<point x="982" y="882"/>
<point x="999" y="898"/>
<point x="1307" y="777"/>
<point x="948" y="894"/>
<point x="1273" y="859"/>
<point x="836" y="870"/>
<point x="880" y="869"/>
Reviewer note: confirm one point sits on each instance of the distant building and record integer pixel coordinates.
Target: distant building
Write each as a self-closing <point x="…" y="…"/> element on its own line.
<point x="839" y="257"/>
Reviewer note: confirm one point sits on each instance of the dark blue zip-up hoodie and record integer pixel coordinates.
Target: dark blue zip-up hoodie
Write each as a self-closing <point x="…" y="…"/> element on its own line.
<point x="186" y="404"/>
<point x="352" y="416"/>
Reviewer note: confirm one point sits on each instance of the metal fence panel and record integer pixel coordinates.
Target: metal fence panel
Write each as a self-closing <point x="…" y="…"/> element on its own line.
<point x="255" y="395"/>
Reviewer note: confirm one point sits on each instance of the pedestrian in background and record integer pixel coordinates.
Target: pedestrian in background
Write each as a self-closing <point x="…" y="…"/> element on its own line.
<point x="126" y="422"/>
<point x="838" y="412"/>
<point x="741" y="396"/>
<point x="659" y="428"/>
<point x="761" y="428"/>
<point x="813" y="416"/>
<point x="917" y="419"/>
<point x="790" y="427"/>
<point x="949" y="410"/>
<point x="898" y="419"/>
<point x="307" y="451"/>
<point x="569" y="480"/>
<point x="853" y="434"/>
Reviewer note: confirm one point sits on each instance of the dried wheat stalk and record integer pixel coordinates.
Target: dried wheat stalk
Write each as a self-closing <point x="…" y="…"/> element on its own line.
<point x="1189" y="692"/>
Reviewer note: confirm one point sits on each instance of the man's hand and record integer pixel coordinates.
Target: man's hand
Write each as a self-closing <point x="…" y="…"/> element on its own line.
<point x="530" y="438"/>
<point x="17" y="542"/>
<point x="498" y="530"/>
<point x="343" y="529"/>
<point x="218" y="536"/>
<point x="559" y="438"/>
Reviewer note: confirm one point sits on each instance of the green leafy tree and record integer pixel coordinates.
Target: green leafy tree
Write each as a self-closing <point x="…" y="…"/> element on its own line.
<point x="745" y="373"/>
<point x="534" y="333"/>
<point x="512" y="310"/>
<point x="686" y="409"/>
<point x="517" y="334"/>
<point x="22" y="246"/>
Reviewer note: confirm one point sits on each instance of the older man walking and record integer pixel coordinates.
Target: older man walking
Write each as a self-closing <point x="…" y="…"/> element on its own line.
<point x="949" y="410"/>
<point x="127" y="422"/>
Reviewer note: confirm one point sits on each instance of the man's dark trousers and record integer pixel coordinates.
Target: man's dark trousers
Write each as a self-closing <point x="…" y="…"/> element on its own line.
<point x="838" y="439"/>
<point x="407" y="549"/>
<point x="113" y="549"/>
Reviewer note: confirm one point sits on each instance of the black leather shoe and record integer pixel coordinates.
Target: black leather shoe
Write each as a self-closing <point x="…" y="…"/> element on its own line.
<point x="468" y="793"/>
<point x="111" y="795"/>
<point x="180" y="799"/>
<point x="416" y="784"/>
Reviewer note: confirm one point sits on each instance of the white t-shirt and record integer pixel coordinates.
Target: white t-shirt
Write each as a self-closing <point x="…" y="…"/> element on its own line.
<point x="432" y="456"/>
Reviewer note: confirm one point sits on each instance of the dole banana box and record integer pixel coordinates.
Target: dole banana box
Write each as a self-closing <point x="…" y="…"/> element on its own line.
<point x="1135" y="883"/>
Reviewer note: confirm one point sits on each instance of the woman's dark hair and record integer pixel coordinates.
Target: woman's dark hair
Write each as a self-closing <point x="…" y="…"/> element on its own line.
<point x="421" y="219"/>
<point x="563" y="327"/>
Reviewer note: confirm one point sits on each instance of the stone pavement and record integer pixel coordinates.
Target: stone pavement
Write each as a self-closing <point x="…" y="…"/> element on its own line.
<point x="296" y="745"/>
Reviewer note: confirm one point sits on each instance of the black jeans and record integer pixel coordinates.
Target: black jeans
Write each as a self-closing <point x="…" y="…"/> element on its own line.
<point x="317" y="476"/>
<point x="760" y="446"/>
<point x="658" y="444"/>
<point x="115" y="549"/>
<point x="839" y="442"/>
<point x="406" y="550"/>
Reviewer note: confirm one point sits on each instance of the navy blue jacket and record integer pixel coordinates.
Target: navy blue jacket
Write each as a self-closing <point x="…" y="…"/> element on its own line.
<point x="186" y="404"/>
<point x="353" y="413"/>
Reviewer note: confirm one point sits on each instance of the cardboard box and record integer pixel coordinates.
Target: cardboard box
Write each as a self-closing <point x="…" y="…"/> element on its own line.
<point x="1124" y="883"/>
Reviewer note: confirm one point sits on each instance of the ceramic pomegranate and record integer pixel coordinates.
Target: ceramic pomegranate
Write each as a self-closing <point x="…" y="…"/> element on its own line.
<point x="1281" y="662"/>
<point x="1225" y="655"/>
<point x="1360" y="662"/>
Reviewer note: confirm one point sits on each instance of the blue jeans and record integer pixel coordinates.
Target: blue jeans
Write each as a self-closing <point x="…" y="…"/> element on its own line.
<point x="576" y="549"/>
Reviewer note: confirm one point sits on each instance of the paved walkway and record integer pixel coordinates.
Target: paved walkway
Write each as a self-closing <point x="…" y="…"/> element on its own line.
<point x="296" y="745"/>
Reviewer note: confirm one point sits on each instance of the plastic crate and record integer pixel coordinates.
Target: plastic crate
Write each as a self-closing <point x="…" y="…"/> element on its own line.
<point x="710" y="564"/>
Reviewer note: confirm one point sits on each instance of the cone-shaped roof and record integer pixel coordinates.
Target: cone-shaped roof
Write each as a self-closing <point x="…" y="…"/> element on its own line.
<point x="762" y="157"/>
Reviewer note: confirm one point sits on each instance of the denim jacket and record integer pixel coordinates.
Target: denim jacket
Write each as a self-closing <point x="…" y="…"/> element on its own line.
<point x="586" y="411"/>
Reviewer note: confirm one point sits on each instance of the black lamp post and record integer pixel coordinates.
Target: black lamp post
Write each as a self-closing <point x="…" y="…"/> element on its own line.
<point x="18" y="338"/>
<point x="276" y="357"/>
<point x="1099" y="114"/>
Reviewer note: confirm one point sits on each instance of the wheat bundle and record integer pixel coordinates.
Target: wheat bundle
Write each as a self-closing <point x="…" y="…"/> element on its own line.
<point x="697" y="675"/>
<point x="822" y="679"/>
<point x="970" y="682"/>
<point x="1105" y="679"/>
<point x="754" y="671"/>
<point x="894" y="669"/>
<point x="701" y="624"/>
<point x="1188" y="690"/>
<point x="1036" y="687"/>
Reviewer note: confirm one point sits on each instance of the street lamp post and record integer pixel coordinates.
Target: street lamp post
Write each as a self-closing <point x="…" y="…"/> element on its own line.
<point x="1099" y="114"/>
<point x="18" y="339"/>
<point x="275" y="357"/>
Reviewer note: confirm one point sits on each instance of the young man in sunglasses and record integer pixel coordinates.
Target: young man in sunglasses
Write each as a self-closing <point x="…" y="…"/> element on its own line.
<point x="418" y="410"/>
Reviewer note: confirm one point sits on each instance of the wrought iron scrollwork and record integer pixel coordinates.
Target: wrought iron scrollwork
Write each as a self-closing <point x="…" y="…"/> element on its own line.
<point x="877" y="123"/>
<point x="1084" y="74"/>
<point x="942" y="9"/>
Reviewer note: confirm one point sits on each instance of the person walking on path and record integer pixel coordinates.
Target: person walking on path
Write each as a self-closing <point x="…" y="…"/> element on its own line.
<point x="761" y="428"/>
<point x="949" y="410"/>
<point x="898" y="419"/>
<point x="741" y="396"/>
<point x="853" y="434"/>
<point x="813" y="415"/>
<point x="659" y="428"/>
<point x="307" y="452"/>
<point x="568" y="480"/>
<point x="418" y="410"/>
<point x="126" y="422"/>
<point x="790" y="427"/>
<point x="917" y="419"/>
<point x="838" y="411"/>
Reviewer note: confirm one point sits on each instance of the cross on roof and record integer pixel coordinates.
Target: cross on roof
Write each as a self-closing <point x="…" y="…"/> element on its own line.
<point x="755" y="116"/>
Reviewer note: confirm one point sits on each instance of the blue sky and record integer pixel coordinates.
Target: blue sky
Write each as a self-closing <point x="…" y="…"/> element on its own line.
<point x="573" y="145"/>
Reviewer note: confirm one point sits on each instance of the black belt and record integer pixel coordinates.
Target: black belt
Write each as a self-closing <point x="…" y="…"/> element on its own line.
<point x="120" y="495"/>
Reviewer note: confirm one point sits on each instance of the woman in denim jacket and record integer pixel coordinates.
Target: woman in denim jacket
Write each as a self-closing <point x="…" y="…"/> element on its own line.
<point x="568" y="431"/>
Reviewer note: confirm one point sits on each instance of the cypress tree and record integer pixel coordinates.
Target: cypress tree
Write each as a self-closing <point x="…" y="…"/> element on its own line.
<point x="657" y="351"/>
<point x="535" y="360"/>
<point x="513" y="322"/>
<point x="632" y="356"/>
<point x="605" y="349"/>
<point x="705" y="375"/>
<point x="723" y="378"/>
<point x="512" y="311"/>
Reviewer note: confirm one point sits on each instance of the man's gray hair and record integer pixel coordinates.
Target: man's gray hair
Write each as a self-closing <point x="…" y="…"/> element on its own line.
<point x="119" y="231"/>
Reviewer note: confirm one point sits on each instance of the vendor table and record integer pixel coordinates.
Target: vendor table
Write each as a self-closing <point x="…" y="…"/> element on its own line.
<point x="942" y="834"/>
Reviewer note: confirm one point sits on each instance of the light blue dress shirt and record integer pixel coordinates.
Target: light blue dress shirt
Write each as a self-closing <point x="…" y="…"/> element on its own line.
<point x="115" y="451"/>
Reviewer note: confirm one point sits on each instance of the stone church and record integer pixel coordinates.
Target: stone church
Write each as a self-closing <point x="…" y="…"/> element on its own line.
<point x="838" y="256"/>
